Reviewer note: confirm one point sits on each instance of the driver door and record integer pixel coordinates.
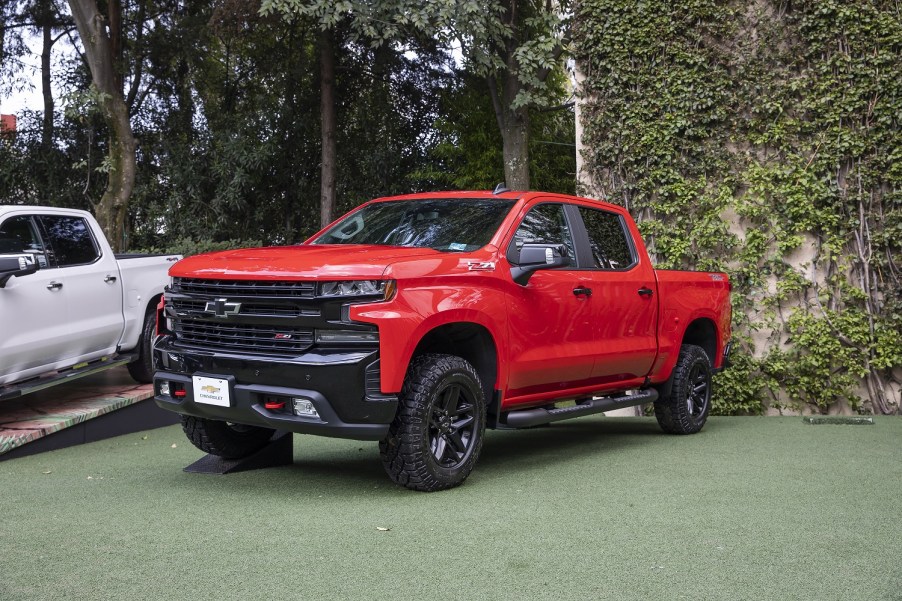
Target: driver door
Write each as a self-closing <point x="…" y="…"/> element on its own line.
<point x="33" y="315"/>
<point x="552" y="336"/>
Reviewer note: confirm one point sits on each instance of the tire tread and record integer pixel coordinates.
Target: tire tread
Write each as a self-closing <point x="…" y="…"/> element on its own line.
<point x="401" y="450"/>
<point x="217" y="438"/>
<point x="670" y="409"/>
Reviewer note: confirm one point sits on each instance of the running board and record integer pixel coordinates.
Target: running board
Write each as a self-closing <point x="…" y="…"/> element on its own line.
<point x="526" y="418"/>
<point x="73" y="373"/>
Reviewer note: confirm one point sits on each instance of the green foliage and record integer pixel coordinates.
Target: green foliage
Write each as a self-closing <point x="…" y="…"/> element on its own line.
<point x="468" y="154"/>
<point x="189" y="247"/>
<point x="740" y="389"/>
<point x="763" y="139"/>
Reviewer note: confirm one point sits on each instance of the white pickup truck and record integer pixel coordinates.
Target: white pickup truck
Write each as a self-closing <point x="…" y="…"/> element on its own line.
<point x="69" y="307"/>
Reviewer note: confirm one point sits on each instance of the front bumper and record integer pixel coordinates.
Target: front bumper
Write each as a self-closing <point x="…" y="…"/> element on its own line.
<point x="343" y="386"/>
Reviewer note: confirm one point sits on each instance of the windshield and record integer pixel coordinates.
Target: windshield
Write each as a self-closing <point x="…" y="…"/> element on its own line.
<point x="450" y="224"/>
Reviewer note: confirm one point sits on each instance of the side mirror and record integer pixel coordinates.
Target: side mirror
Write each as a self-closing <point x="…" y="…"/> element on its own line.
<point x="534" y="257"/>
<point x="19" y="265"/>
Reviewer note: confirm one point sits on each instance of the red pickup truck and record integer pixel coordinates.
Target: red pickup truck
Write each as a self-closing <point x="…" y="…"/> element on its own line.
<point x="421" y="320"/>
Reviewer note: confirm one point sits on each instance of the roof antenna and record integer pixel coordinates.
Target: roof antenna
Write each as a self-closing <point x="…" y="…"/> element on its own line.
<point x="501" y="188"/>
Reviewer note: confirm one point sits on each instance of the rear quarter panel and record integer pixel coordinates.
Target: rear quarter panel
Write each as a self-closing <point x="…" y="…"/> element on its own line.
<point x="683" y="297"/>
<point x="143" y="279"/>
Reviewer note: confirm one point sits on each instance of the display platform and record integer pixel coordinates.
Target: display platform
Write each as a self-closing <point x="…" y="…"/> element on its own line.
<point x="92" y="408"/>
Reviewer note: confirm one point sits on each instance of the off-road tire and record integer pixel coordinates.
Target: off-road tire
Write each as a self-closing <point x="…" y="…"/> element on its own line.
<point x="141" y="369"/>
<point x="685" y="400"/>
<point x="425" y="425"/>
<point x="223" y="439"/>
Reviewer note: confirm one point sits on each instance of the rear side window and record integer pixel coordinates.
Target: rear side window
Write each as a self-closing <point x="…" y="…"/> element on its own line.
<point x="18" y="236"/>
<point x="70" y="239"/>
<point x="544" y="224"/>
<point x="607" y="237"/>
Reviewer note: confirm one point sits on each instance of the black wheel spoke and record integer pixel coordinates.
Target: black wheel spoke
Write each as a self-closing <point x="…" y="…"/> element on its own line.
<point x="463" y="423"/>
<point x="463" y="409"/>
<point x="451" y="399"/>
<point x="439" y="447"/>
<point x="457" y="443"/>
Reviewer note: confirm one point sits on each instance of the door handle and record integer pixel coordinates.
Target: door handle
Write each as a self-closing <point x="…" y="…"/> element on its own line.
<point x="582" y="290"/>
<point x="54" y="285"/>
<point x="109" y="279"/>
<point x="643" y="291"/>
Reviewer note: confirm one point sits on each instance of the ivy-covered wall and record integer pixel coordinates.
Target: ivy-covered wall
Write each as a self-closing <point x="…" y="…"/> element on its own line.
<point x="763" y="138"/>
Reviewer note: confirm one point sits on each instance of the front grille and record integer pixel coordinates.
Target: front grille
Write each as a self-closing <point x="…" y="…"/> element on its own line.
<point x="240" y="337"/>
<point x="273" y="289"/>
<point x="198" y="308"/>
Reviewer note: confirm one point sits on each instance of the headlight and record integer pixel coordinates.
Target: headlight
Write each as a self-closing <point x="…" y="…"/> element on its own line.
<point x="354" y="288"/>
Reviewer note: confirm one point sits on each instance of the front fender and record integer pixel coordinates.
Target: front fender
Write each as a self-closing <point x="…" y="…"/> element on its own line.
<point x="415" y="312"/>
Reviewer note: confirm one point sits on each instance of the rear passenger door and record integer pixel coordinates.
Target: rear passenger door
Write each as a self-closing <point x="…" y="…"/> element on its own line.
<point x="624" y="303"/>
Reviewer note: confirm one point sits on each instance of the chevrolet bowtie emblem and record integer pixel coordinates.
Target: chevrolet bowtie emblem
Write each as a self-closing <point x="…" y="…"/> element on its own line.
<point x="221" y="307"/>
<point x="210" y="389"/>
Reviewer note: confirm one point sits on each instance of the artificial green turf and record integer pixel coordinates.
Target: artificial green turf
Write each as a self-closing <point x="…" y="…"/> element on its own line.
<point x="595" y="508"/>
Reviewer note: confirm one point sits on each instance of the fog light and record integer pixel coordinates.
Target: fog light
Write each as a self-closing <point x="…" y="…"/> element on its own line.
<point x="164" y="388"/>
<point x="304" y="407"/>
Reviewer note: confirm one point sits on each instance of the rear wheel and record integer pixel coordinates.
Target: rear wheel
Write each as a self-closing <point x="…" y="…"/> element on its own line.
<point x="225" y="439"/>
<point x="684" y="410"/>
<point x="141" y="369"/>
<point x="435" y="439"/>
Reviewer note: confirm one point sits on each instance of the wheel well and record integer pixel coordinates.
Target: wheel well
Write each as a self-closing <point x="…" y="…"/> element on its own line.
<point x="152" y="305"/>
<point x="469" y="341"/>
<point x="702" y="332"/>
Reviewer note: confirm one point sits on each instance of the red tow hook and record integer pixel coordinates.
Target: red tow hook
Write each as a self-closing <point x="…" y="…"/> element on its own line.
<point x="274" y="405"/>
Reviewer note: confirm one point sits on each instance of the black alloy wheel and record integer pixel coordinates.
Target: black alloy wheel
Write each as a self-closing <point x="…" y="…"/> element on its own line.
<point x="685" y="400"/>
<point x="436" y="436"/>
<point x="699" y="396"/>
<point x="452" y="422"/>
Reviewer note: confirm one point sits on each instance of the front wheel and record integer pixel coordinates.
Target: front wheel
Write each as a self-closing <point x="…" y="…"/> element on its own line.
<point x="434" y="441"/>
<point x="225" y="439"/>
<point x="684" y="410"/>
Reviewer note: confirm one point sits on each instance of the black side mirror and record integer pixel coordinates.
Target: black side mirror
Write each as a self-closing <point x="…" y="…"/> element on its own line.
<point x="18" y="266"/>
<point x="534" y="257"/>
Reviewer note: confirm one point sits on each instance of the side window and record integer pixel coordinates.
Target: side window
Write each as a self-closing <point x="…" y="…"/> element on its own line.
<point x="607" y="237"/>
<point x="18" y="236"/>
<point x="70" y="239"/>
<point x="543" y="224"/>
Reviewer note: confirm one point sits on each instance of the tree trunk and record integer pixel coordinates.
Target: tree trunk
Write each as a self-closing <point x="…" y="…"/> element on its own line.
<point x="327" y="118"/>
<point x="113" y="206"/>
<point x="515" y="148"/>
<point x="47" y="125"/>
<point x="514" y="126"/>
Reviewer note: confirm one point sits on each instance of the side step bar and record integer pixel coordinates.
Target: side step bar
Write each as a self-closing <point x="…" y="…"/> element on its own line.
<point x="73" y="373"/>
<point x="526" y="418"/>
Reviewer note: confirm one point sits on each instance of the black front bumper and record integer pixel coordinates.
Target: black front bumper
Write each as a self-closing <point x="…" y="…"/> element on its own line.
<point x="343" y="386"/>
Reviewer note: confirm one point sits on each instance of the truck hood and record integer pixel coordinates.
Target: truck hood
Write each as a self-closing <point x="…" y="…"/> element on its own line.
<point x="303" y="262"/>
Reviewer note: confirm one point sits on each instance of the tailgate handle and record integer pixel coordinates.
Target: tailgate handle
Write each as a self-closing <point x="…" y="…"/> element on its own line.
<point x="109" y="279"/>
<point x="582" y="290"/>
<point x="643" y="291"/>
